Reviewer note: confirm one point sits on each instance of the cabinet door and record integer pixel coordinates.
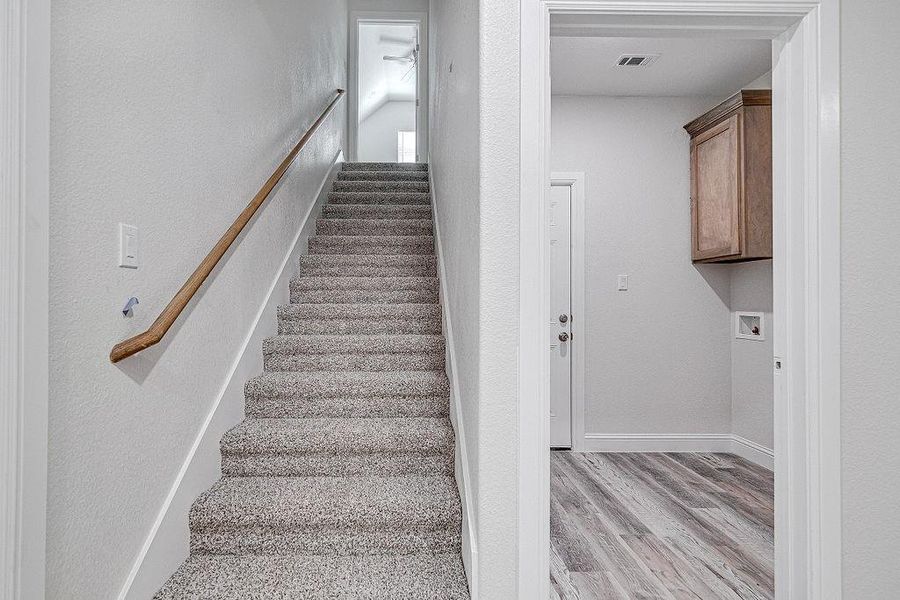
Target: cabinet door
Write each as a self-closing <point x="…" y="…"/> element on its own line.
<point x="716" y="191"/>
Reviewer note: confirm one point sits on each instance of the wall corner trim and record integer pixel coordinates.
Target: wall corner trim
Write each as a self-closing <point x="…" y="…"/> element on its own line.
<point x="166" y="544"/>
<point x="463" y="477"/>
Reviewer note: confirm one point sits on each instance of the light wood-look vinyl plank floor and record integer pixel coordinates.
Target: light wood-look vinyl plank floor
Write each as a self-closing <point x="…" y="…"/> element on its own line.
<point x="647" y="526"/>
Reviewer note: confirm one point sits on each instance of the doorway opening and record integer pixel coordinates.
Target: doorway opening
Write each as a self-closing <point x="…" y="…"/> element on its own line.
<point x="805" y="283"/>
<point x="387" y="107"/>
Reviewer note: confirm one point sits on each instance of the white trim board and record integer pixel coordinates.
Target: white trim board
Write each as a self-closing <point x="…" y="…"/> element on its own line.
<point x="167" y="542"/>
<point x="806" y="211"/>
<point x="24" y="294"/>
<point x="681" y="442"/>
<point x="386" y="16"/>
<point x="461" y="458"/>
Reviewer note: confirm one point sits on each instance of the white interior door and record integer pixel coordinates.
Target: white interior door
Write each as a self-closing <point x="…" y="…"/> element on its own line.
<point x="559" y="313"/>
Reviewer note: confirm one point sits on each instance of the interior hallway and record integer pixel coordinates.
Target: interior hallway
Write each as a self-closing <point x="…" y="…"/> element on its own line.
<point x="673" y="526"/>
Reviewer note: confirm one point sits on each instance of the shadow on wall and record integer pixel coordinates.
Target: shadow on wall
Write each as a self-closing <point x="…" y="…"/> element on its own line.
<point x="718" y="278"/>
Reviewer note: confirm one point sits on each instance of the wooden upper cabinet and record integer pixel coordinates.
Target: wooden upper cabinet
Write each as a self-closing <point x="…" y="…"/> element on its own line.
<point x="731" y="180"/>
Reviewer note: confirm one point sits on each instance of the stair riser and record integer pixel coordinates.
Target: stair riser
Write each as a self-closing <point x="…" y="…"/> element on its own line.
<point x="368" y="271"/>
<point x="364" y="326"/>
<point x="380" y="186"/>
<point x="383" y="176"/>
<point x="373" y="227"/>
<point x="376" y="211"/>
<point x="355" y="362"/>
<point x="364" y="296"/>
<point x="326" y="245"/>
<point x="331" y="542"/>
<point x="273" y="407"/>
<point x="380" y="198"/>
<point x="327" y="465"/>
<point x="382" y="284"/>
<point x="383" y="166"/>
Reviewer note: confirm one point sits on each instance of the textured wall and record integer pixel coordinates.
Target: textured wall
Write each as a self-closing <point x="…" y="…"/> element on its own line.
<point x="658" y="356"/>
<point x="498" y="466"/>
<point x="752" y="380"/>
<point x="474" y="160"/>
<point x="168" y="116"/>
<point x="453" y="157"/>
<point x="870" y="295"/>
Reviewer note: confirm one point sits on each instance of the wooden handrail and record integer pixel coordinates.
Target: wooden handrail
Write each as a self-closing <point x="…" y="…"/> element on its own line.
<point x="170" y="313"/>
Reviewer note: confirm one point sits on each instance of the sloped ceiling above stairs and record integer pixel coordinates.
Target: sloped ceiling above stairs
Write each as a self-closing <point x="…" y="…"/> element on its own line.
<point x="382" y="81"/>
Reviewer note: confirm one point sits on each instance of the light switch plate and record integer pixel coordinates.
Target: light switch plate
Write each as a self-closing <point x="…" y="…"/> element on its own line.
<point x="129" y="246"/>
<point x="622" y="283"/>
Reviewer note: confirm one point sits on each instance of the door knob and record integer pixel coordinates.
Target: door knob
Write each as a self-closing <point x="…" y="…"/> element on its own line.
<point x="564" y="337"/>
<point x="563" y="318"/>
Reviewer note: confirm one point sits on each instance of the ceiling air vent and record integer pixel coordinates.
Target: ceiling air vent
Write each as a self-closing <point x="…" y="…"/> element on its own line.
<point x="636" y="60"/>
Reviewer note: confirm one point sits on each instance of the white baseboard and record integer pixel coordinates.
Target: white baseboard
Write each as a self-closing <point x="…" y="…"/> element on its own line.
<point x="463" y="479"/>
<point x="167" y="543"/>
<point x="680" y="442"/>
<point x="755" y="453"/>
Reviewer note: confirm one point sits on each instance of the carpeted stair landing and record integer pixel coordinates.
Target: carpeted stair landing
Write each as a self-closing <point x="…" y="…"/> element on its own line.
<point x="339" y="483"/>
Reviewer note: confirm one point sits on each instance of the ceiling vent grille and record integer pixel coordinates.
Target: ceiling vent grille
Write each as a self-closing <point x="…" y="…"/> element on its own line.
<point x="636" y="60"/>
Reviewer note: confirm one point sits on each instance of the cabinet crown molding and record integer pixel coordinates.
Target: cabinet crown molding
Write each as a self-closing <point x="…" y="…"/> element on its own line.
<point x="727" y="108"/>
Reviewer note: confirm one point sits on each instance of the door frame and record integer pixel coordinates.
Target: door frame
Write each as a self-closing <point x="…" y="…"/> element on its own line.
<point x="575" y="180"/>
<point x="806" y="245"/>
<point x="386" y="16"/>
<point x="24" y="300"/>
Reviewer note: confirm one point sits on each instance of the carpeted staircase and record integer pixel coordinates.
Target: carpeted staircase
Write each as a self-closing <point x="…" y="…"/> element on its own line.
<point x="339" y="483"/>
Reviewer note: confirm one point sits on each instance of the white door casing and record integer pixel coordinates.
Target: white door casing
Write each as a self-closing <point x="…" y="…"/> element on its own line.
<point x="559" y="314"/>
<point x="387" y="16"/>
<point x="24" y="301"/>
<point x="806" y="214"/>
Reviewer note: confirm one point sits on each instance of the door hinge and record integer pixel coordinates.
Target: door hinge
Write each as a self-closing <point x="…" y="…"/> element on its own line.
<point x="417" y="102"/>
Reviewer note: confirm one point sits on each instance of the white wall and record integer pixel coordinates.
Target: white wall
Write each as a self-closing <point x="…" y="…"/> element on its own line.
<point x="454" y="164"/>
<point x="658" y="356"/>
<point x="474" y="161"/>
<point x="870" y="291"/>
<point x="752" y="380"/>
<point x="378" y="133"/>
<point x="167" y="116"/>
<point x="499" y="85"/>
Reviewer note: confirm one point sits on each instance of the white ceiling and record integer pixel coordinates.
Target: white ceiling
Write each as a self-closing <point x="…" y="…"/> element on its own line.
<point x="381" y="81"/>
<point x="686" y="67"/>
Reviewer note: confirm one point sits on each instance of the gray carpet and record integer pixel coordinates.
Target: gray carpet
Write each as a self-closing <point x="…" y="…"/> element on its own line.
<point x="339" y="483"/>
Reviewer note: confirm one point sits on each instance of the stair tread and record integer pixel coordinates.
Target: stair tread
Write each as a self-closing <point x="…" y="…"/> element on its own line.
<point x="353" y="343"/>
<point x="418" y="435"/>
<point x="376" y="211"/>
<point x="382" y="175"/>
<point x="410" y="577"/>
<point x="378" y="222"/>
<point x="290" y="503"/>
<point x="382" y="166"/>
<point x="380" y="198"/>
<point x="318" y="282"/>
<point x="357" y="311"/>
<point x="366" y="186"/>
<point x="359" y="227"/>
<point x="375" y="239"/>
<point x="348" y="384"/>
<point x="372" y="244"/>
<point x="375" y="260"/>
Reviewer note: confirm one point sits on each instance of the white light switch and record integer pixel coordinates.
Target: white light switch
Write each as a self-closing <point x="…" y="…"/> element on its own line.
<point x="622" y="283"/>
<point x="129" y="246"/>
